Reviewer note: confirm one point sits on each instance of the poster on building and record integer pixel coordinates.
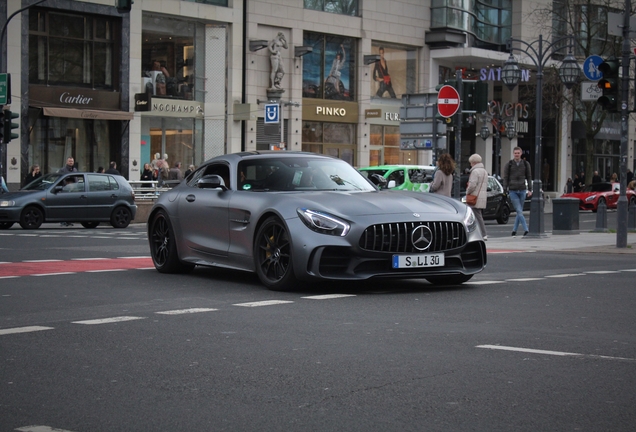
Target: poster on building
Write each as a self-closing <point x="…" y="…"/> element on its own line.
<point x="338" y="69"/>
<point x="389" y="76"/>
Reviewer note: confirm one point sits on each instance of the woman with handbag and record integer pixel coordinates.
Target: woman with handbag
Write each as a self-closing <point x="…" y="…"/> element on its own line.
<point x="476" y="191"/>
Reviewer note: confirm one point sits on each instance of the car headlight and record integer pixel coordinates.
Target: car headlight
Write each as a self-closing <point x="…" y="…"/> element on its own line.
<point x="323" y="223"/>
<point x="469" y="220"/>
<point x="7" y="203"/>
<point x="590" y="198"/>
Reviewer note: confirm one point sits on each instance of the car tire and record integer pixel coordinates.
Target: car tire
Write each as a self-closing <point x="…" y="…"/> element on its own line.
<point x="31" y="218"/>
<point x="600" y="200"/>
<point x="163" y="246"/>
<point x="504" y="215"/>
<point x="273" y="255"/>
<point x="90" y="225"/>
<point x="449" y="280"/>
<point x="6" y="225"/>
<point x="121" y="217"/>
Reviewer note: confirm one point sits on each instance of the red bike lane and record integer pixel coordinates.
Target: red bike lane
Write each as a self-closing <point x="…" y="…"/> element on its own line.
<point x="51" y="267"/>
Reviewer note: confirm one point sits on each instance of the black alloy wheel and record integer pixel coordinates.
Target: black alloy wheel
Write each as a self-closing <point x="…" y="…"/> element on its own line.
<point x="31" y="218"/>
<point x="163" y="247"/>
<point x="121" y="217"/>
<point x="273" y="255"/>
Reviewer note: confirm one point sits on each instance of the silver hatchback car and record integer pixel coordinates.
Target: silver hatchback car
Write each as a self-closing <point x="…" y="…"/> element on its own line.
<point x="87" y="198"/>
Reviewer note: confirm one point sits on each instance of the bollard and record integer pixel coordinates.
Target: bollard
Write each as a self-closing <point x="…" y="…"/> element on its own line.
<point x="631" y="215"/>
<point x="601" y="217"/>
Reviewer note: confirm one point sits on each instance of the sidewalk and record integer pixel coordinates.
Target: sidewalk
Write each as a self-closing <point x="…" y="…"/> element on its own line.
<point x="584" y="242"/>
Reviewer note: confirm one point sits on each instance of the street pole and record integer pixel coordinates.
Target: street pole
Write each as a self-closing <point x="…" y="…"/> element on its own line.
<point x="621" y="209"/>
<point x="537" y="228"/>
<point x="458" y="135"/>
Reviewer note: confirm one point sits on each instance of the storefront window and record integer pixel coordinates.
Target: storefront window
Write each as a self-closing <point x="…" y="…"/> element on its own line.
<point x="329" y="71"/>
<point x="174" y="137"/>
<point x="395" y="74"/>
<point x="385" y="145"/>
<point x="72" y="49"/>
<point x="335" y="139"/>
<point x="169" y="64"/>
<point x="89" y="142"/>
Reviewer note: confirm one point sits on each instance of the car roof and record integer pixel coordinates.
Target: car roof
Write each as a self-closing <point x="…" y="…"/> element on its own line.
<point x="399" y="166"/>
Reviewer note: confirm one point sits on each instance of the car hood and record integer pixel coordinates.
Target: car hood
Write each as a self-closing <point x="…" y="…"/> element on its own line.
<point x="12" y="196"/>
<point x="383" y="202"/>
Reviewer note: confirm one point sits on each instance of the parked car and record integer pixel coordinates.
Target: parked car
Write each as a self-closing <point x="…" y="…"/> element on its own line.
<point x="294" y="216"/>
<point x="498" y="205"/>
<point x="88" y="198"/>
<point x="403" y="177"/>
<point x="596" y="193"/>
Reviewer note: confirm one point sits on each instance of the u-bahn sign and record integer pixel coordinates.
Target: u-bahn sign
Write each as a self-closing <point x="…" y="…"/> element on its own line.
<point x="447" y="101"/>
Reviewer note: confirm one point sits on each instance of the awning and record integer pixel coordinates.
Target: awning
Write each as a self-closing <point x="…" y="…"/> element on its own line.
<point x="87" y="114"/>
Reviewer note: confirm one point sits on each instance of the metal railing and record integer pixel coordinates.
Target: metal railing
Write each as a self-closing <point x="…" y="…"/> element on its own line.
<point x="151" y="189"/>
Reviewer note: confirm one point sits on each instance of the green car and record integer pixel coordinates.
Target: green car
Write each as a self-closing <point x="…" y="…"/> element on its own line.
<point x="404" y="177"/>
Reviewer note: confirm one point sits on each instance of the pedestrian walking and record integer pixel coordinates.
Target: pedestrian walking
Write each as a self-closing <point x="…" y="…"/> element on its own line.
<point x="478" y="185"/>
<point x="517" y="175"/>
<point x="443" y="178"/>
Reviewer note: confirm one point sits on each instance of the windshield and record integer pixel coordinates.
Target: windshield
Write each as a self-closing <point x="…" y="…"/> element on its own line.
<point x="43" y="183"/>
<point x="302" y="173"/>
<point x="598" y="187"/>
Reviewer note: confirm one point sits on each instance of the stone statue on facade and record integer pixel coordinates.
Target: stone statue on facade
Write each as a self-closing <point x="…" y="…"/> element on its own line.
<point x="277" y="72"/>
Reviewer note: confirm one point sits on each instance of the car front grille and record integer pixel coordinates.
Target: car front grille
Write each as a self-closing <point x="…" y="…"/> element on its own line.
<point x="396" y="237"/>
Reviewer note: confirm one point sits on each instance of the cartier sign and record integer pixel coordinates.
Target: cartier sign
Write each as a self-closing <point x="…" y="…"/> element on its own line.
<point x="73" y="97"/>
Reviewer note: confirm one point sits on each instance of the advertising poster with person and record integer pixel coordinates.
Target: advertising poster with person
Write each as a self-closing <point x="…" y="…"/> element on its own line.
<point x="329" y="71"/>
<point x="390" y="77"/>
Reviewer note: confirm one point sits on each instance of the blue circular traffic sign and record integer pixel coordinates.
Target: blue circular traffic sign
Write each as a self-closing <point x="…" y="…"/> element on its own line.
<point x="590" y="68"/>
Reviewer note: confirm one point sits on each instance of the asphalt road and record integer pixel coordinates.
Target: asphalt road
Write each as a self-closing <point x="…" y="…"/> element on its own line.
<point x="538" y="341"/>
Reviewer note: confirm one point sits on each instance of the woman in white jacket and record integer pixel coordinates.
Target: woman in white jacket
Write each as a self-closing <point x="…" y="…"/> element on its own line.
<point x="478" y="185"/>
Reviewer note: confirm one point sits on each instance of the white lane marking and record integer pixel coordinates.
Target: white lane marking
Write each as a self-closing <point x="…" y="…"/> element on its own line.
<point x="328" y="296"/>
<point x="547" y="352"/>
<point x="101" y="237"/>
<point x="565" y="275"/>
<point x="88" y="259"/>
<point x="145" y="268"/>
<point x="40" y="429"/>
<point x="53" y="274"/>
<point x="42" y="261"/>
<point x="8" y="277"/>
<point x="49" y="235"/>
<point x="628" y="270"/>
<point x="27" y="235"/>
<point x="186" y="311"/>
<point x="23" y="329"/>
<point x="135" y="257"/>
<point x="263" y="303"/>
<point x="524" y="279"/>
<point x="103" y="271"/>
<point x="603" y="272"/>
<point x="109" y="320"/>
<point x="483" y="282"/>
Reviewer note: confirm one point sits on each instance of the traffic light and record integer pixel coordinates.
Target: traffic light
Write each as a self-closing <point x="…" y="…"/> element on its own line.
<point x="124" y="6"/>
<point x="610" y="85"/>
<point x="448" y="121"/>
<point x="474" y="94"/>
<point x="8" y="126"/>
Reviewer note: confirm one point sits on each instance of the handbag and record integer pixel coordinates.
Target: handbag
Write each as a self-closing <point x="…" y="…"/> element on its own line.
<point x="471" y="200"/>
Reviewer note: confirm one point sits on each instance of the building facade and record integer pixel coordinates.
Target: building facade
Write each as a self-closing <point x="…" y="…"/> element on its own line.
<point x="190" y="80"/>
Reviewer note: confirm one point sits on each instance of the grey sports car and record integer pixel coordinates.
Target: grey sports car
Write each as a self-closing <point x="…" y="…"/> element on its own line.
<point x="291" y="216"/>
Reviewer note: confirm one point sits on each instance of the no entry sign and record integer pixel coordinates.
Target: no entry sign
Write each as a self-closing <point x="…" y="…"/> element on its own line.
<point x="447" y="101"/>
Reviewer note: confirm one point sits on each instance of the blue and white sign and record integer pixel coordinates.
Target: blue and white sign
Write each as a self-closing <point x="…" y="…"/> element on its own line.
<point x="590" y="68"/>
<point x="272" y="114"/>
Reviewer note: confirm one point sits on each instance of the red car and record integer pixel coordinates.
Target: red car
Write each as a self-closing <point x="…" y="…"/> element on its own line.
<point x="592" y="195"/>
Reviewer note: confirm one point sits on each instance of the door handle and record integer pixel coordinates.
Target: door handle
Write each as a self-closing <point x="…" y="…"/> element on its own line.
<point x="191" y="198"/>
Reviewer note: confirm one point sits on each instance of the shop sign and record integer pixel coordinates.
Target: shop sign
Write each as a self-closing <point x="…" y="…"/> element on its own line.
<point x="373" y="113"/>
<point x="340" y="111"/>
<point x="488" y="74"/>
<point x="72" y="97"/>
<point x="144" y="102"/>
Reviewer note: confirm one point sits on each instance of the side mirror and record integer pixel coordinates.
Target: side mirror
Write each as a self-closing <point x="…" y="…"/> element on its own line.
<point x="391" y="184"/>
<point x="378" y="180"/>
<point x="57" y="189"/>
<point x="211" y="181"/>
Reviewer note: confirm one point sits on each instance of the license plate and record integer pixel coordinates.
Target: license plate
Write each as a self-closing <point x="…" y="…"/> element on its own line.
<point x="416" y="261"/>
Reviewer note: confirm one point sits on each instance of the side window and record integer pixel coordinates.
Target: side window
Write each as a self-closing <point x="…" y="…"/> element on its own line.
<point x="113" y="183"/>
<point x="220" y="170"/>
<point x="98" y="183"/>
<point x="195" y="176"/>
<point x="74" y="183"/>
